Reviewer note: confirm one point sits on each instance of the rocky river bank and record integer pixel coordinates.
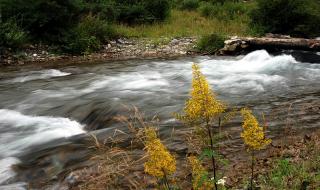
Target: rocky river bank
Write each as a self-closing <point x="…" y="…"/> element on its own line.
<point x="119" y="49"/>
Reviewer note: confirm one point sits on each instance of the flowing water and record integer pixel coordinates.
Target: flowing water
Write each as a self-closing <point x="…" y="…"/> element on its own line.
<point x="39" y="106"/>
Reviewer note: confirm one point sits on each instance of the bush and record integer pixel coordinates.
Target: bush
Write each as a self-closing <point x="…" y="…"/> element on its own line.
<point x="294" y="17"/>
<point x="206" y="9"/>
<point x="104" y="9"/>
<point x="159" y="9"/>
<point x="88" y="35"/>
<point x="225" y="11"/>
<point x="11" y="35"/>
<point x="44" y="19"/>
<point x="211" y="43"/>
<point x="189" y="4"/>
<point x="142" y="11"/>
<point x="58" y="22"/>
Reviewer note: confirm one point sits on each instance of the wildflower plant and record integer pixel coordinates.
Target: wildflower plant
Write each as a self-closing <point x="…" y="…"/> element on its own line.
<point x="203" y="106"/>
<point x="203" y="109"/>
<point x="253" y="136"/>
<point x="160" y="162"/>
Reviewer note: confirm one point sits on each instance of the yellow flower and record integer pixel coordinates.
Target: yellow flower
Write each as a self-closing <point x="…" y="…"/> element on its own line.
<point x="150" y="134"/>
<point x="252" y="134"/>
<point x="199" y="175"/>
<point x="160" y="162"/>
<point x="203" y="104"/>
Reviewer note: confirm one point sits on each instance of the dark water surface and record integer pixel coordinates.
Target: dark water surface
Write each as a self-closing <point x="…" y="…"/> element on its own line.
<point x="39" y="106"/>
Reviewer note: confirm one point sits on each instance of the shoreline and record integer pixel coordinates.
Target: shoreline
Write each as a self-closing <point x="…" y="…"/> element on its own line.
<point x="160" y="48"/>
<point x="120" y="49"/>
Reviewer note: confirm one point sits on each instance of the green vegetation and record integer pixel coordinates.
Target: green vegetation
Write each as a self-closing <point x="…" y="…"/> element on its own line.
<point x="184" y="24"/>
<point x="76" y="26"/>
<point x="289" y="174"/>
<point x="211" y="43"/>
<point x="294" y="17"/>
<point x="188" y="4"/>
<point x="88" y="35"/>
<point x="65" y="24"/>
<point x="11" y="35"/>
<point x="227" y="11"/>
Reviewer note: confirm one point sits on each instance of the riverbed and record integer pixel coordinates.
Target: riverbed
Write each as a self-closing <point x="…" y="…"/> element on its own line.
<point x="41" y="108"/>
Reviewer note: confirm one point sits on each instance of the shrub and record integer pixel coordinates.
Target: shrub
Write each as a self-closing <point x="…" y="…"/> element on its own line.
<point x="104" y="9"/>
<point x="294" y="17"/>
<point x="159" y="9"/>
<point x="226" y="11"/>
<point x="189" y="4"/>
<point x="142" y="11"/>
<point x="88" y="35"/>
<point x="211" y="43"/>
<point x="206" y="8"/>
<point x="43" y="19"/>
<point x="11" y="35"/>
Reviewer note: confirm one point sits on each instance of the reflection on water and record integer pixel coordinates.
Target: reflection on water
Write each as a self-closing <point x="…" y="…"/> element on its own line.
<point x="39" y="106"/>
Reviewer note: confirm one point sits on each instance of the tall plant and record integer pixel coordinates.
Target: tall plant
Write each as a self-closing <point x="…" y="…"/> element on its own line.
<point x="253" y="136"/>
<point x="203" y="109"/>
<point x="160" y="162"/>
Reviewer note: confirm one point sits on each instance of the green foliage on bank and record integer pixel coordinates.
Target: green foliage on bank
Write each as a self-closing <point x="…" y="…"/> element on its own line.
<point x="83" y="26"/>
<point x="11" y="35"/>
<point x="88" y="35"/>
<point x="75" y="26"/>
<point x="211" y="43"/>
<point x="294" y="17"/>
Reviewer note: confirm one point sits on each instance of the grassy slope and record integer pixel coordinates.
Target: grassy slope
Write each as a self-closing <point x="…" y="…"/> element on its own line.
<point x="187" y="23"/>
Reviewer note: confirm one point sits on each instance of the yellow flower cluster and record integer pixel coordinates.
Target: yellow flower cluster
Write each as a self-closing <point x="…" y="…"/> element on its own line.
<point x="199" y="175"/>
<point x="202" y="105"/>
<point x="160" y="161"/>
<point x="252" y="134"/>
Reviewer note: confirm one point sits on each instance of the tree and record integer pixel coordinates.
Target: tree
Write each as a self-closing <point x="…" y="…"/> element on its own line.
<point x="294" y="17"/>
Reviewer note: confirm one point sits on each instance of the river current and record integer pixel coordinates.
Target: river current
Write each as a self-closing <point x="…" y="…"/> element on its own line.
<point x="39" y="105"/>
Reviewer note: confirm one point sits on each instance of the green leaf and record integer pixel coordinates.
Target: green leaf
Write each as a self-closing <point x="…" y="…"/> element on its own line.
<point x="207" y="153"/>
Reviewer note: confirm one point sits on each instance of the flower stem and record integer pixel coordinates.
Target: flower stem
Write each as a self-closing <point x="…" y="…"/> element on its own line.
<point x="166" y="183"/>
<point x="212" y="157"/>
<point x="252" y="165"/>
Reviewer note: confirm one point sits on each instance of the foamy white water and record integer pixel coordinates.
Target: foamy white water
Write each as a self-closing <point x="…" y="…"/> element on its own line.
<point x="19" y="132"/>
<point x="35" y="75"/>
<point x="249" y="76"/>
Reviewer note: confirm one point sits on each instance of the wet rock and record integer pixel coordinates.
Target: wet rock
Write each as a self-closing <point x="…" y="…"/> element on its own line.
<point x="72" y="179"/>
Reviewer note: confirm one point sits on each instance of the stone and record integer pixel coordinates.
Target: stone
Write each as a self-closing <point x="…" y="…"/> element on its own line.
<point x="72" y="178"/>
<point x="174" y="42"/>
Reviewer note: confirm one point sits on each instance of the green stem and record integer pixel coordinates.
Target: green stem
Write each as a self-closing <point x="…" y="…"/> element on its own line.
<point x="212" y="157"/>
<point x="252" y="171"/>
<point x="166" y="183"/>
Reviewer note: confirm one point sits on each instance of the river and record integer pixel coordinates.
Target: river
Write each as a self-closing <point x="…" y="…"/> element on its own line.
<point x="39" y="105"/>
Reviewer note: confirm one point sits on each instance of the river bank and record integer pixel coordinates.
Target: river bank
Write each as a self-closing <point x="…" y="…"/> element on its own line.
<point x="120" y="49"/>
<point x="121" y="167"/>
<point x="164" y="47"/>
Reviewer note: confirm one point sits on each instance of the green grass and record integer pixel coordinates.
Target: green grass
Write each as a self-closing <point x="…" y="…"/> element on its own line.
<point x="289" y="175"/>
<point x="186" y="24"/>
